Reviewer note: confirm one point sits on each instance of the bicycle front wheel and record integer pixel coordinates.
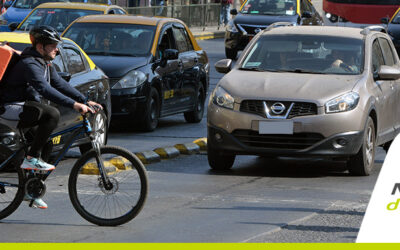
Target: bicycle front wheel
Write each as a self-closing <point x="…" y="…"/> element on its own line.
<point x="11" y="190"/>
<point x="114" y="204"/>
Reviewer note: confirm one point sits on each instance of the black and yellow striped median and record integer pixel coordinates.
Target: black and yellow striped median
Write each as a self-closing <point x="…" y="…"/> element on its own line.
<point x="147" y="157"/>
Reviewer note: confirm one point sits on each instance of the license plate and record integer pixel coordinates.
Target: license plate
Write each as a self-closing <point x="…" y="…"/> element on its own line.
<point x="275" y="127"/>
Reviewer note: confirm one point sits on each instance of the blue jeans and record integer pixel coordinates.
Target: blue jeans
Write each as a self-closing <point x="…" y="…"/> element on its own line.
<point x="224" y="15"/>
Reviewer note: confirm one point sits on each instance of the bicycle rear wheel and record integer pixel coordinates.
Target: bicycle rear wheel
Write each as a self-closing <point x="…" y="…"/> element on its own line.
<point x="114" y="205"/>
<point x="11" y="190"/>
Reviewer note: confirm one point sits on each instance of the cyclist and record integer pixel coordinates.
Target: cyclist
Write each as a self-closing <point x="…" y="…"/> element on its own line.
<point x="32" y="77"/>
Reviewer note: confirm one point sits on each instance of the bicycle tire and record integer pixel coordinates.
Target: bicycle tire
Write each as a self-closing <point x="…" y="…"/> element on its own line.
<point x="82" y="198"/>
<point x="13" y="196"/>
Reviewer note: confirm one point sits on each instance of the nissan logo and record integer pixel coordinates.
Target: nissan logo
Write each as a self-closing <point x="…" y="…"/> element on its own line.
<point x="258" y="30"/>
<point x="278" y="108"/>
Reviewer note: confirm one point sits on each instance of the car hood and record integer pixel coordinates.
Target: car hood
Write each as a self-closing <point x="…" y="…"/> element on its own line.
<point x="118" y="66"/>
<point x="263" y="20"/>
<point x="316" y="88"/>
<point x="394" y="30"/>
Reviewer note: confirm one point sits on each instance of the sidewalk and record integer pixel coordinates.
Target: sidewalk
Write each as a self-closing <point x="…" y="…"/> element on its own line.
<point x="212" y="32"/>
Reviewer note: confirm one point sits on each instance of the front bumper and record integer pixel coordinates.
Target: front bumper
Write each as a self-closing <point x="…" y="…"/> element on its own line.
<point x="307" y="144"/>
<point x="236" y="40"/>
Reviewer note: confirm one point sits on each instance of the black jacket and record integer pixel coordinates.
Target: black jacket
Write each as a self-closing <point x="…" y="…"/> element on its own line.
<point x="27" y="81"/>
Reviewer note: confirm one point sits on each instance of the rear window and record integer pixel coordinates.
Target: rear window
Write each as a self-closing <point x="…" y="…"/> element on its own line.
<point x="31" y="4"/>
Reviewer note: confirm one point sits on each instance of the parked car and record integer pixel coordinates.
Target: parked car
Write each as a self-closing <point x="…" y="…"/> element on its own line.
<point x="256" y="15"/>
<point x="79" y="70"/>
<point x="155" y="66"/>
<point x="17" y="10"/>
<point x="60" y="15"/>
<point x="307" y="91"/>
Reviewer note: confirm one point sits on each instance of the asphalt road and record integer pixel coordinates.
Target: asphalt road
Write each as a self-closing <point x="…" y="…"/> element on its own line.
<point x="259" y="200"/>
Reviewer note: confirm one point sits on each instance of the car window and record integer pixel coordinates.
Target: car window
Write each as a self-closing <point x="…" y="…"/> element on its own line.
<point x="167" y="42"/>
<point x="112" y="39"/>
<point x="270" y="7"/>
<point x="387" y="52"/>
<point x="58" y="63"/>
<point x="31" y="4"/>
<point x="57" y="18"/>
<point x="181" y="39"/>
<point x="75" y="62"/>
<point x="377" y="56"/>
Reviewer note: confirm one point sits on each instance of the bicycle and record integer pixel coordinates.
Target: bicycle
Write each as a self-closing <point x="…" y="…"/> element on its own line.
<point x="107" y="185"/>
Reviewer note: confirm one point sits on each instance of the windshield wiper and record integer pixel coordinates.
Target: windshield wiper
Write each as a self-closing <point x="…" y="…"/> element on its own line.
<point x="105" y="53"/>
<point x="295" y="71"/>
<point x="252" y="69"/>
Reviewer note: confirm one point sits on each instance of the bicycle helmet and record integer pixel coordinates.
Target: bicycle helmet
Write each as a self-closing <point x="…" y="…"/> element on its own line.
<point x="44" y="35"/>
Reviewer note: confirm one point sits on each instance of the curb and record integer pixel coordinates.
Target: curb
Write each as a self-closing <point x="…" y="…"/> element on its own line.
<point x="148" y="157"/>
<point x="209" y="35"/>
<point x="167" y="152"/>
<point x="188" y="148"/>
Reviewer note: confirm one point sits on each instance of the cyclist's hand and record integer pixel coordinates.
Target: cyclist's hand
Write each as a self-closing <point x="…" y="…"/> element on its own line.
<point x="82" y="108"/>
<point x="95" y="105"/>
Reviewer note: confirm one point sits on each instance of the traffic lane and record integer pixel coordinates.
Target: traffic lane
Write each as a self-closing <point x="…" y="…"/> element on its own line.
<point x="188" y="202"/>
<point x="172" y="130"/>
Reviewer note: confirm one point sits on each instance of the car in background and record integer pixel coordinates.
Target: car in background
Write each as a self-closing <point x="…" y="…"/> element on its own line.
<point x="393" y="28"/>
<point x="155" y="66"/>
<point x="60" y="15"/>
<point x="256" y="15"/>
<point x="17" y="10"/>
<point x="329" y="92"/>
<point x="79" y="70"/>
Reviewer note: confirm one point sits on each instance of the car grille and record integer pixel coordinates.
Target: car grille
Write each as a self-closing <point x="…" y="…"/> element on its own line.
<point x="296" y="141"/>
<point x="250" y="29"/>
<point x="298" y="109"/>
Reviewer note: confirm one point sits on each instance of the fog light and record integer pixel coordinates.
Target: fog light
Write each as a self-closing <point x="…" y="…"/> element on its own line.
<point x="340" y="143"/>
<point x="218" y="137"/>
<point x="6" y="141"/>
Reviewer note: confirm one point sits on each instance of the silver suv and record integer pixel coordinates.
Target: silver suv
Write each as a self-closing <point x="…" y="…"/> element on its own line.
<point x="307" y="91"/>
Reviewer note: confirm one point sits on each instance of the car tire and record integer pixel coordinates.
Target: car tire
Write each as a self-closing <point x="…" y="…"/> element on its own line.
<point x="196" y="115"/>
<point x="231" y="53"/>
<point x="151" y="115"/>
<point x="362" y="163"/>
<point x="219" y="160"/>
<point x="100" y="121"/>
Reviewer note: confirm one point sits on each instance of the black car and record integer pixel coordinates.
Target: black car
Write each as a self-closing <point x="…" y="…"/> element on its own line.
<point x="256" y="15"/>
<point x="155" y="66"/>
<point x="393" y="28"/>
<point x="79" y="70"/>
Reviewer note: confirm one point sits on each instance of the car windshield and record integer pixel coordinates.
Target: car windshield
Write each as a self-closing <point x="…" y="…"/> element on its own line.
<point x="396" y="19"/>
<point x="270" y="7"/>
<point x="31" y="4"/>
<point x="317" y="54"/>
<point x="116" y="39"/>
<point x="19" y="46"/>
<point x="57" y="18"/>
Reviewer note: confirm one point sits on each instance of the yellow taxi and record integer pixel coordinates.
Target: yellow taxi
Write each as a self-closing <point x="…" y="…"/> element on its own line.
<point x="74" y="65"/>
<point x="60" y="14"/>
<point x="155" y="66"/>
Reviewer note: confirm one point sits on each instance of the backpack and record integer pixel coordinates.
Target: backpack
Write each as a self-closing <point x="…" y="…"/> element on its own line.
<point x="8" y="58"/>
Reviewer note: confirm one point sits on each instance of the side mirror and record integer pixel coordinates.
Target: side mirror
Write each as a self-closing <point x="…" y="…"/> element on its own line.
<point x="234" y="12"/>
<point x="388" y="73"/>
<point x="384" y="20"/>
<point x="13" y="26"/>
<point x="223" y="66"/>
<point x="65" y="75"/>
<point x="170" y="54"/>
<point x="306" y="14"/>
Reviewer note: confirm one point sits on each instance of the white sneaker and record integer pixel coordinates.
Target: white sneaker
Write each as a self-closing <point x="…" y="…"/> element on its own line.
<point x="36" y="164"/>
<point x="37" y="203"/>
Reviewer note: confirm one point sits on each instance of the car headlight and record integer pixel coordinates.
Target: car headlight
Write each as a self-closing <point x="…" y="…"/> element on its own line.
<point x="222" y="98"/>
<point x="231" y="27"/>
<point x="342" y="103"/>
<point x="133" y="79"/>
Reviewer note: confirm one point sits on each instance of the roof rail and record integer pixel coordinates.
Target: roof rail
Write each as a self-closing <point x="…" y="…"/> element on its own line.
<point x="368" y="29"/>
<point x="279" y="24"/>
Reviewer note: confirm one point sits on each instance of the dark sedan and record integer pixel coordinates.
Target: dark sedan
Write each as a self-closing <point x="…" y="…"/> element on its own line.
<point x="393" y="28"/>
<point x="155" y="66"/>
<point x="256" y="15"/>
<point x="80" y="71"/>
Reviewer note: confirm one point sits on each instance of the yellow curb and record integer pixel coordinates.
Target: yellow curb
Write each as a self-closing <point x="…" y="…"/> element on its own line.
<point x="188" y="148"/>
<point x="148" y="157"/>
<point x="167" y="152"/>
<point x="92" y="169"/>
<point x="202" y="142"/>
<point x="121" y="163"/>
